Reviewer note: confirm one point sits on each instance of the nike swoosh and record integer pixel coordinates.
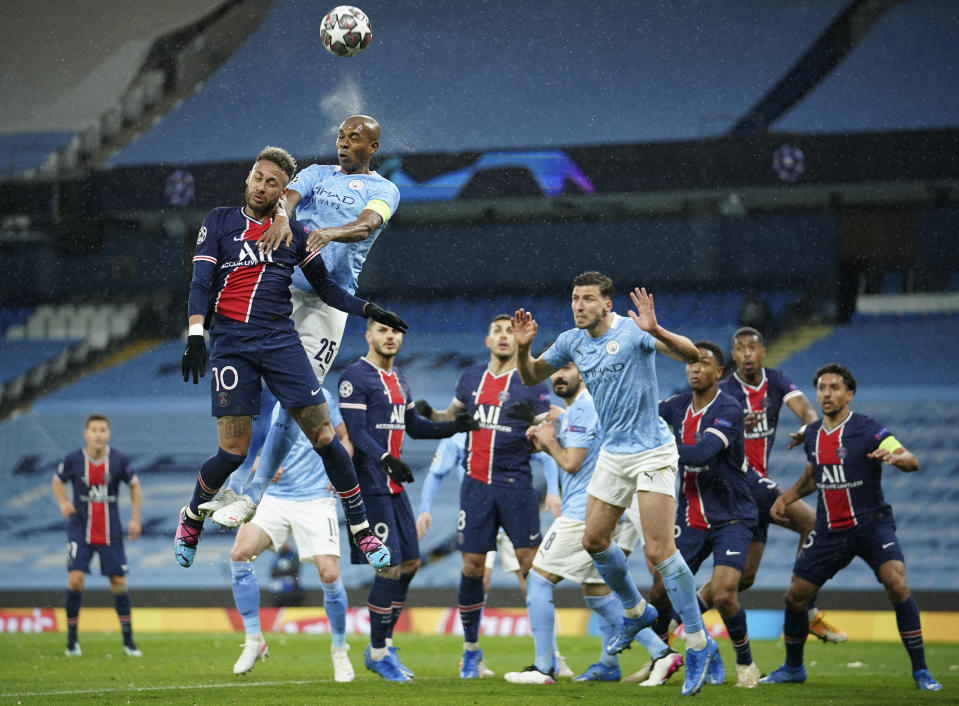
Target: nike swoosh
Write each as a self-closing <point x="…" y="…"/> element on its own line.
<point x="238" y="237"/>
<point x="533" y="536"/>
<point x="729" y="553"/>
<point x="316" y="391"/>
<point x="888" y="545"/>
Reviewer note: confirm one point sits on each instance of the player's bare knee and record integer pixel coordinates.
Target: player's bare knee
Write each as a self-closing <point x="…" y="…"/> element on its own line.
<point x="474" y="565"/>
<point x="323" y="435"/>
<point x="594" y="542"/>
<point x="241" y="554"/>
<point x="118" y="584"/>
<point x="410" y="566"/>
<point x="75" y="580"/>
<point x="746" y="582"/>
<point x="795" y="600"/>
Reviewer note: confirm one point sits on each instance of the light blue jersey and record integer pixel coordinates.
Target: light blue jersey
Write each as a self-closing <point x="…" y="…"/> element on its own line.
<point x="619" y="370"/>
<point x="329" y="197"/>
<point x="304" y="477"/>
<point x="579" y="428"/>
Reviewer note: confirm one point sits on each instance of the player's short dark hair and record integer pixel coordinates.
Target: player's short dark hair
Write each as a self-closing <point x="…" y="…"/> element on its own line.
<point x="836" y="369"/>
<point x="499" y="317"/>
<point x="281" y="158"/>
<point x="597" y="279"/>
<point x="749" y="331"/>
<point x="96" y="418"/>
<point x="715" y="350"/>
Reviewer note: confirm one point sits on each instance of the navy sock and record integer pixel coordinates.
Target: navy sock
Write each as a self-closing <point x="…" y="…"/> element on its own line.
<point x="340" y="471"/>
<point x="399" y="600"/>
<point x="910" y="631"/>
<point x="380" y="604"/>
<point x="123" y="605"/>
<point x="74" y="601"/>
<point x="739" y="636"/>
<point x="660" y="626"/>
<point x="795" y="632"/>
<point x="213" y="474"/>
<point x="471" y="606"/>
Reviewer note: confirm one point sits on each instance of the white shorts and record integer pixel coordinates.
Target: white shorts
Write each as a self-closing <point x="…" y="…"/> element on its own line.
<point x="320" y="327"/>
<point x="507" y="555"/>
<point x="562" y="552"/>
<point x="617" y="477"/>
<point x="314" y="524"/>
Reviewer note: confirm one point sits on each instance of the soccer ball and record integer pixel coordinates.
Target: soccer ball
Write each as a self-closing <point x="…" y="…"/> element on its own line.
<point x="346" y="31"/>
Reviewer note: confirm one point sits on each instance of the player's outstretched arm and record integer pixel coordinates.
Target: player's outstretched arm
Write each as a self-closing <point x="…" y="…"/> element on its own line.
<point x="900" y="457"/>
<point x="360" y="229"/>
<point x="279" y="231"/>
<point x="801" y="488"/>
<point x="531" y="372"/>
<point x="668" y="343"/>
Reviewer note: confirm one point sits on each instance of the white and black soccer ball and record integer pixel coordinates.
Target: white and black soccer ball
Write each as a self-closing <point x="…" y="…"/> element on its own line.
<point x="346" y="31"/>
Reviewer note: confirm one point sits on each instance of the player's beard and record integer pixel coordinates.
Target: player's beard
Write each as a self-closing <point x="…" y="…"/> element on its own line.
<point x="259" y="213"/>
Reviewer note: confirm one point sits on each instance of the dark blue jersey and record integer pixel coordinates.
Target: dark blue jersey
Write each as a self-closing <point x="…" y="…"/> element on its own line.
<point x="712" y="466"/>
<point x="849" y="483"/>
<point x="233" y="279"/>
<point x="95" y="485"/>
<point x="498" y="453"/>
<point x="378" y="410"/>
<point x="766" y="400"/>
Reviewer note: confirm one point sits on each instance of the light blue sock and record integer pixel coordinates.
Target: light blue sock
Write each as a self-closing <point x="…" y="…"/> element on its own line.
<point x="611" y="564"/>
<point x="246" y="595"/>
<point x="279" y="441"/>
<point x="681" y="588"/>
<point x="335" y="604"/>
<point x="542" y="618"/>
<point x="651" y="641"/>
<point x="609" y="611"/>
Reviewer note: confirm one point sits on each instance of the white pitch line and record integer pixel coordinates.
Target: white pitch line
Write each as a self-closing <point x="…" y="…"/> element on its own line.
<point x="135" y="689"/>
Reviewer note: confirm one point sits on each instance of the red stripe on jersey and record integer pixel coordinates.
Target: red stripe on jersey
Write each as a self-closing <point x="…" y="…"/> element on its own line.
<point x="236" y="298"/>
<point x="837" y="501"/>
<point x="98" y="519"/>
<point x="757" y="449"/>
<point x="479" y="459"/>
<point x="695" y="511"/>
<point x="391" y="384"/>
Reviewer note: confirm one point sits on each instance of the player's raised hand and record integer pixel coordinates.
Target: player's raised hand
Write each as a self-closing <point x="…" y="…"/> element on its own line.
<point x="384" y="316"/>
<point x="645" y="315"/>
<point x="278" y="233"/>
<point x="424" y="523"/>
<point x="424" y="409"/>
<point x="524" y="328"/>
<point x="464" y="421"/>
<point x="194" y="359"/>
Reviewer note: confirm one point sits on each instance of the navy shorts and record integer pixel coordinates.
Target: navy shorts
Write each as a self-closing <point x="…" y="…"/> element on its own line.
<point x="484" y="508"/>
<point x="240" y="355"/>
<point x="764" y="491"/>
<point x="113" y="560"/>
<point x="728" y="544"/>
<point x="824" y="554"/>
<point x="391" y="519"/>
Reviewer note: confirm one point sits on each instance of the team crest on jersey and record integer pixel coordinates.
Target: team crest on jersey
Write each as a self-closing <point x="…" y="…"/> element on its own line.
<point x="346" y="388"/>
<point x="841" y="452"/>
<point x="612" y="347"/>
<point x="223" y="399"/>
<point x="201" y="236"/>
<point x="503" y="396"/>
<point x="764" y="402"/>
<point x="356" y="185"/>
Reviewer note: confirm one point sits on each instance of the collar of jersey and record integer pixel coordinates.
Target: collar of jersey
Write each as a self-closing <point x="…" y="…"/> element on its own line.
<point x="746" y="384"/>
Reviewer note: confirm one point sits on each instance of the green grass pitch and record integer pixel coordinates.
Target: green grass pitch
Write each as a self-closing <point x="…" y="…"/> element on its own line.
<point x="197" y="669"/>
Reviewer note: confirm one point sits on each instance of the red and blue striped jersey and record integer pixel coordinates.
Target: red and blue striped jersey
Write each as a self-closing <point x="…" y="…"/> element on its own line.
<point x="95" y="485"/>
<point x="716" y="492"/>
<point x="849" y="483"/>
<point x="233" y="279"/>
<point x="766" y="399"/>
<point x="498" y="452"/>
<point x="378" y="410"/>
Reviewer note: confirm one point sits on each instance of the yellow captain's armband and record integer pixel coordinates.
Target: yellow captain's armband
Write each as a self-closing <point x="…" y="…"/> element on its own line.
<point x="379" y="206"/>
<point x="890" y="444"/>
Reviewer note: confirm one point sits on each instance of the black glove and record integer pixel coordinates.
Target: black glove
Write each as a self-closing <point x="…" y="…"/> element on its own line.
<point x="194" y="358"/>
<point x="424" y="409"/>
<point x="523" y="411"/>
<point x="397" y="470"/>
<point x="384" y="316"/>
<point x="465" y="422"/>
